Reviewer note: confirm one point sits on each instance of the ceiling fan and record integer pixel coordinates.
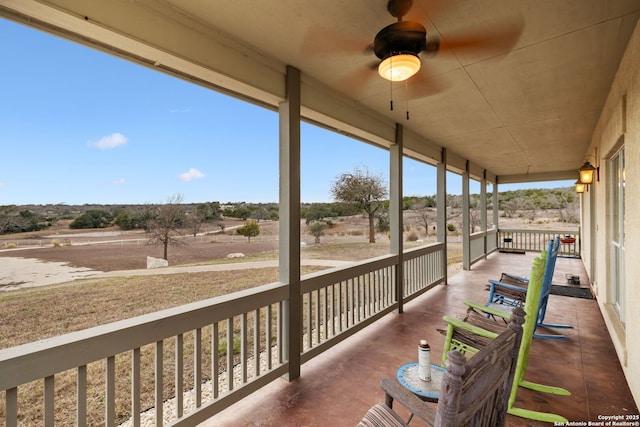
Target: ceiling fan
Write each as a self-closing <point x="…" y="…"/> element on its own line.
<point x="400" y="45"/>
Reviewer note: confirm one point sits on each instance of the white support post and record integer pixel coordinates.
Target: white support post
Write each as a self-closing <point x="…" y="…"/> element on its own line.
<point x="466" y="223"/>
<point x="395" y="211"/>
<point x="496" y="210"/>
<point x="441" y="202"/>
<point x="289" y="244"/>
<point x="483" y="210"/>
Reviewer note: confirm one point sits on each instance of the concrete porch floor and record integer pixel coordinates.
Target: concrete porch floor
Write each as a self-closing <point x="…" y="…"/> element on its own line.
<point x="336" y="388"/>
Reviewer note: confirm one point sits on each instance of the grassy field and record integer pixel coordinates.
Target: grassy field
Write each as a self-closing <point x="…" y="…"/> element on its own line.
<point x="38" y="313"/>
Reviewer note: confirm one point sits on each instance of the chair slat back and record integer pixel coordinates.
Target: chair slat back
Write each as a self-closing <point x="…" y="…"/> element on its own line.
<point x="476" y="392"/>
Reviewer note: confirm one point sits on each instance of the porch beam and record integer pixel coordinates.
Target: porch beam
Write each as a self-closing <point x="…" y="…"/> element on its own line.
<point x="289" y="228"/>
<point x="537" y="177"/>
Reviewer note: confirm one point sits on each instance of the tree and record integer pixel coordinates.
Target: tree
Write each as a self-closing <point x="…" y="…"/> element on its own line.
<point x="362" y="190"/>
<point x="93" y="218"/>
<point x="166" y="223"/>
<point x="8" y="222"/>
<point x="316" y="228"/>
<point x="249" y="229"/>
<point x="193" y="221"/>
<point x="425" y="214"/>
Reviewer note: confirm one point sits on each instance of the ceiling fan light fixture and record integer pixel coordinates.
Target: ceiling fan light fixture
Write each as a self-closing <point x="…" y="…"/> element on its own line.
<point x="398" y="68"/>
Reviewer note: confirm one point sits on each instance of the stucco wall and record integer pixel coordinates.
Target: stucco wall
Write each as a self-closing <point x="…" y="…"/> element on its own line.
<point x="619" y="121"/>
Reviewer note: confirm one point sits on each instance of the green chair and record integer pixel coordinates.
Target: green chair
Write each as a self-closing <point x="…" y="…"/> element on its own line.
<point x="465" y="337"/>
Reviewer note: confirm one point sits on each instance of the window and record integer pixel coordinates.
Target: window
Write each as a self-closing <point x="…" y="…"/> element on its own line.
<point x="617" y="250"/>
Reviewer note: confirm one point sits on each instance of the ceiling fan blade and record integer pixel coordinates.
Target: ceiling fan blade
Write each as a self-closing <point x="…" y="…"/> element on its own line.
<point x="355" y="81"/>
<point x="496" y="40"/>
<point x="322" y="41"/>
<point x="426" y="10"/>
<point x="418" y="87"/>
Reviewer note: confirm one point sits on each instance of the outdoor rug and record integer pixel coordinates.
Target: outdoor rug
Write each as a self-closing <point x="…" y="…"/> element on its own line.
<point x="571" y="291"/>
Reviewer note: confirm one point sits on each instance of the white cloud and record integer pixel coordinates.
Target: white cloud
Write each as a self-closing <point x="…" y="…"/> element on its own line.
<point x="112" y="141"/>
<point x="118" y="181"/>
<point x="190" y="174"/>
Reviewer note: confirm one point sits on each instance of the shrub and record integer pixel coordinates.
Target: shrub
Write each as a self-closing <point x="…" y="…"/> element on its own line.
<point x="451" y="227"/>
<point x="93" y="218"/>
<point x="412" y="236"/>
<point x="249" y="229"/>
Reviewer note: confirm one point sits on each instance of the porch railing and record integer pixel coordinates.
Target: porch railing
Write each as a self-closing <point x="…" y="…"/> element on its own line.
<point x="232" y="346"/>
<point x="481" y="244"/>
<point x="537" y="240"/>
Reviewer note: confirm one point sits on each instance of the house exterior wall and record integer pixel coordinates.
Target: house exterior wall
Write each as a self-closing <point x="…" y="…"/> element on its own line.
<point x="618" y="124"/>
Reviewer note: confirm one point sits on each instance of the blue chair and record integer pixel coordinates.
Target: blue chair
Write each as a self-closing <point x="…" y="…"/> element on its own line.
<point x="511" y="290"/>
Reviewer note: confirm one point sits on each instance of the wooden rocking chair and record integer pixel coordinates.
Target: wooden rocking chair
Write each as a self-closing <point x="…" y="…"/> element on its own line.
<point x="473" y="392"/>
<point x="470" y="338"/>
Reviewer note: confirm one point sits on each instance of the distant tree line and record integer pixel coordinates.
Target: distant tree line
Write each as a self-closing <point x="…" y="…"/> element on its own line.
<point x="15" y="220"/>
<point x="528" y="203"/>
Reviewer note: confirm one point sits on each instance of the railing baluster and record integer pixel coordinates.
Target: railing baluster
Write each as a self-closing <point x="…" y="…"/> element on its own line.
<point x="159" y="389"/>
<point x="197" y="366"/>
<point x="11" y="399"/>
<point x="135" y="387"/>
<point x="367" y="297"/>
<point x="268" y="336"/>
<point x="230" y="354"/>
<point x="358" y="298"/>
<point x="280" y="332"/>
<point x="110" y="386"/>
<point x="256" y="343"/>
<point x="49" y="396"/>
<point x="316" y="315"/>
<point x="215" y="348"/>
<point x="243" y="346"/>
<point x="309" y="318"/>
<point x="81" y="393"/>
<point x="179" y="374"/>
<point x="332" y="314"/>
<point x="325" y="313"/>
<point x="351" y="305"/>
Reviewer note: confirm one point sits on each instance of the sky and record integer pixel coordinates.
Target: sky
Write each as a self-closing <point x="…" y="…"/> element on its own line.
<point x="78" y="126"/>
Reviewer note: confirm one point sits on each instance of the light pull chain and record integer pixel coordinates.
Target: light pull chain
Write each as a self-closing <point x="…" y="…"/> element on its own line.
<point x="391" y="84"/>
<point x="406" y="93"/>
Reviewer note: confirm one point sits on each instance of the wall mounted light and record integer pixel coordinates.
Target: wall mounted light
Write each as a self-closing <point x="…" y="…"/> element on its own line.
<point x="398" y="68"/>
<point x="580" y="187"/>
<point x="586" y="172"/>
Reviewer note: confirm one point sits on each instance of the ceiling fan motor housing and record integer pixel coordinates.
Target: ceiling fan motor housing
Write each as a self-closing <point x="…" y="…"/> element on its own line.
<point x="404" y="37"/>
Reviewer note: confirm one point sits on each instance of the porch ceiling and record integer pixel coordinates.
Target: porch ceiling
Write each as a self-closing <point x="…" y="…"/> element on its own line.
<point x="531" y="109"/>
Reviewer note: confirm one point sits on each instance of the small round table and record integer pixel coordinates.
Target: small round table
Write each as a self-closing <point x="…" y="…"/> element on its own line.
<point x="407" y="375"/>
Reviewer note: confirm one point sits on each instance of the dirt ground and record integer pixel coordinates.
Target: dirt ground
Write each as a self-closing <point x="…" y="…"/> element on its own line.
<point x="129" y="251"/>
<point x="78" y="250"/>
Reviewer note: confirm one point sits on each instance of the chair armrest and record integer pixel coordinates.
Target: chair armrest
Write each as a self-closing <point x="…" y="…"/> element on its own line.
<point x="507" y="290"/>
<point x="514" y="279"/>
<point x="395" y="391"/>
<point x="498" y="284"/>
<point x="469" y="327"/>
<point x="488" y="310"/>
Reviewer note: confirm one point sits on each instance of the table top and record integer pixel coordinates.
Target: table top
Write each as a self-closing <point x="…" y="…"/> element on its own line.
<point x="407" y="375"/>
